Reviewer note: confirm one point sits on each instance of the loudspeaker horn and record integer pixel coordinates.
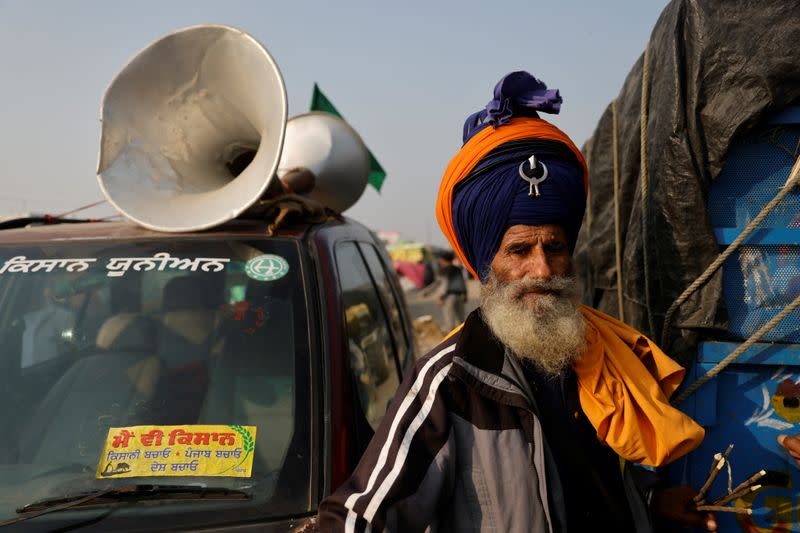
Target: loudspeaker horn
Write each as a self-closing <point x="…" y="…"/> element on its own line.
<point x="192" y="129"/>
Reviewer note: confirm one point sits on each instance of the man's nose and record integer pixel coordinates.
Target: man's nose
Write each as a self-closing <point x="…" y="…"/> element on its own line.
<point x="538" y="265"/>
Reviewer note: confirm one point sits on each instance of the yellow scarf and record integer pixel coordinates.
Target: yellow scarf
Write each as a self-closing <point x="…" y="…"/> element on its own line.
<point x="624" y="385"/>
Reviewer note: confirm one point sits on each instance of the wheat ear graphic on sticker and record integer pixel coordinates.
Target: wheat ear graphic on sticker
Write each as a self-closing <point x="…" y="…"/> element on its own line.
<point x="247" y="445"/>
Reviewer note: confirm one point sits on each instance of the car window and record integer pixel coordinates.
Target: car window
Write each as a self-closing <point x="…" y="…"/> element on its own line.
<point x="155" y="333"/>
<point x="391" y="305"/>
<point x="373" y="360"/>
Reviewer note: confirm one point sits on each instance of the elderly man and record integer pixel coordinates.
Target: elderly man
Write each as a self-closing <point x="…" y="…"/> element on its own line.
<point x="529" y="416"/>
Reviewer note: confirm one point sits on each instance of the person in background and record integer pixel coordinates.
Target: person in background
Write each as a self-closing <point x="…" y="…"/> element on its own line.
<point x="452" y="293"/>
<point x="532" y="415"/>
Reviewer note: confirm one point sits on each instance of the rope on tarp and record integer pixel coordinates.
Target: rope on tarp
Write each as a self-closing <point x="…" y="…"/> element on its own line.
<point x="791" y="182"/>
<point x="588" y="157"/>
<point x="719" y="367"/>
<point x="645" y="184"/>
<point x="617" y="225"/>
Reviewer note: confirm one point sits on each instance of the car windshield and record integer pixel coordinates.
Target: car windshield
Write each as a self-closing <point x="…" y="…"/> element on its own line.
<point x="167" y="334"/>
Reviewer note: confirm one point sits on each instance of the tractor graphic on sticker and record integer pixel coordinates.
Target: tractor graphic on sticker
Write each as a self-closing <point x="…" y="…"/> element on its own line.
<point x="121" y="468"/>
<point x="267" y="267"/>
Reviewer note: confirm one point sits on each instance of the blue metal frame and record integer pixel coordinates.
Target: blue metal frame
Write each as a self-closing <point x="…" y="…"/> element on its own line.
<point x="790" y="236"/>
<point x="731" y="409"/>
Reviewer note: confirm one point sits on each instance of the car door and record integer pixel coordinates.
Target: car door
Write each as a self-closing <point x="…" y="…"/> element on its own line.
<point x="392" y="302"/>
<point x="371" y="345"/>
<point x="362" y="356"/>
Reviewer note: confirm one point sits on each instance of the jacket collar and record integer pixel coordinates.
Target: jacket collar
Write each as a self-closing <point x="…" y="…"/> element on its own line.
<point x="478" y="346"/>
<point x="485" y="362"/>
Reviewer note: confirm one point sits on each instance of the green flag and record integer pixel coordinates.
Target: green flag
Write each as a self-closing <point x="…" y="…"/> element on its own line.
<point x="320" y="102"/>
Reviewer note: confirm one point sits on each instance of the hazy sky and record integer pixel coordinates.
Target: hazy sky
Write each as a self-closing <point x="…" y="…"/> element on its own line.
<point x="404" y="74"/>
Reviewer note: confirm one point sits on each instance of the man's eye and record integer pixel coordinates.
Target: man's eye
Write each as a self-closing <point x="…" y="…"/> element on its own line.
<point x="556" y="247"/>
<point x="518" y="250"/>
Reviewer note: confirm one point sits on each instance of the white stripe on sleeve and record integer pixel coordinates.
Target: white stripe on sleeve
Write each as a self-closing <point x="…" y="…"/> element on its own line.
<point x="412" y="393"/>
<point x="377" y="499"/>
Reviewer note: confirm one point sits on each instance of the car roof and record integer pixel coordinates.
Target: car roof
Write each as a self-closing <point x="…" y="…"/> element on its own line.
<point x="129" y="231"/>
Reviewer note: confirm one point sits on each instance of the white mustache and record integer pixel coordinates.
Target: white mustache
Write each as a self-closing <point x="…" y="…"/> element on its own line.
<point x="564" y="286"/>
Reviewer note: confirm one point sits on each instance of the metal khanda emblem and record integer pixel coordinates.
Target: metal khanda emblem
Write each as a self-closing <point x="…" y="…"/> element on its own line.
<point x="532" y="180"/>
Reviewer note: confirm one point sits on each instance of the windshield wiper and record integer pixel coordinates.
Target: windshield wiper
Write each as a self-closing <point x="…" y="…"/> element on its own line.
<point x="124" y="494"/>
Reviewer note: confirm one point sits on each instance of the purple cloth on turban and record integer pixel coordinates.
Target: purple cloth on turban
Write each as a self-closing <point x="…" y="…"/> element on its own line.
<point x="517" y="94"/>
<point x="494" y="197"/>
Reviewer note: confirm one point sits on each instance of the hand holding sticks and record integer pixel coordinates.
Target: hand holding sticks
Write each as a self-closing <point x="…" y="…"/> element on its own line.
<point x="721" y="460"/>
<point x="743" y="489"/>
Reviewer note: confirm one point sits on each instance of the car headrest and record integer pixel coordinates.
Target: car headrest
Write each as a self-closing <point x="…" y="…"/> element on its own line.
<point x="189" y="292"/>
<point x="128" y="332"/>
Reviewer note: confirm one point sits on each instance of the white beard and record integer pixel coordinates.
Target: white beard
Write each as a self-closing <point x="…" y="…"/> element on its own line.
<point x="547" y="330"/>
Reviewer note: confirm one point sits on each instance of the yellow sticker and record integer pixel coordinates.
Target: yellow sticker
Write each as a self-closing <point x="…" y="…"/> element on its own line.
<point x="146" y="451"/>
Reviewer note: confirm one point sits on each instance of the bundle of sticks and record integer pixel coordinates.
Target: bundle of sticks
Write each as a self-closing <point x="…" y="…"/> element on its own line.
<point x="749" y="486"/>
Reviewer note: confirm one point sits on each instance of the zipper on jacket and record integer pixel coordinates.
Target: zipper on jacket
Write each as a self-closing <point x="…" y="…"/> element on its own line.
<point x="526" y="404"/>
<point x="529" y="407"/>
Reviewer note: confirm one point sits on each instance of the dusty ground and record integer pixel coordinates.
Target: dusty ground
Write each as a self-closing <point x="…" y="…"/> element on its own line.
<point x="427" y="316"/>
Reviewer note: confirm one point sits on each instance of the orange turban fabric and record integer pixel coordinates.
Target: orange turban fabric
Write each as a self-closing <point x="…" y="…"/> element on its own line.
<point x="624" y="383"/>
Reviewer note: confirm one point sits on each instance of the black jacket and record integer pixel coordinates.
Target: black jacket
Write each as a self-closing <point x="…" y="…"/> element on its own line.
<point x="462" y="448"/>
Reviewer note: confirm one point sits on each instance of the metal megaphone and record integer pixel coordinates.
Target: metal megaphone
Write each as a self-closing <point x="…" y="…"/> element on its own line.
<point x="333" y="151"/>
<point x="194" y="128"/>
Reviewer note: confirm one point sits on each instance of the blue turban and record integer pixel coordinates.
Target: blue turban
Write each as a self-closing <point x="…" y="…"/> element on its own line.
<point x="493" y="196"/>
